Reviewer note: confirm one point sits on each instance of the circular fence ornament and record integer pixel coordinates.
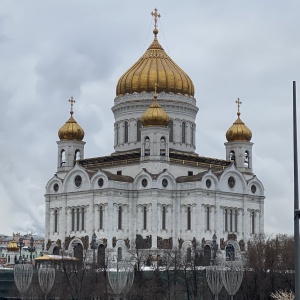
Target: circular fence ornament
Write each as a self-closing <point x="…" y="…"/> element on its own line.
<point x="232" y="276"/>
<point x="214" y="279"/>
<point x="46" y="279"/>
<point x="23" y="277"/>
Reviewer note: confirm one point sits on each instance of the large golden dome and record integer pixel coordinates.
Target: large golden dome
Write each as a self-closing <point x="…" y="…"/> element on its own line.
<point x="71" y="130"/>
<point x="238" y="131"/>
<point x="12" y="246"/>
<point x="155" y="116"/>
<point x="155" y="66"/>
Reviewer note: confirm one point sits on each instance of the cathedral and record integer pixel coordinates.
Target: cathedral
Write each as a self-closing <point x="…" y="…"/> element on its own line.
<point x="154" y="192"/>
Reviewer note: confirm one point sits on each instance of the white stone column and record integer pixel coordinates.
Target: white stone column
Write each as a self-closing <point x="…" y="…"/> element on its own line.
<point x="47" y="219"/>
<point x="154" y="219"/>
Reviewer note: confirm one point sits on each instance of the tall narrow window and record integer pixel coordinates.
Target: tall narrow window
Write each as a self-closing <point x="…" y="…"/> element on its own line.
<point x="207" y="218"/>
<point x="62" y="157"/>
<point x="189" y="218"/>
<point x="101" y="217"/>
<point x="189" y="254"/>
<point x="246" y="159"/>
<point x="117" y="133"/>
<point x="126" y="132"/>
<point x="138" y="130"/>
<point x="226" y="219"/>
<point x="73" y="219"/>
<point x="82" y="218"/>
<point x="164" y="218"/>
<point x="232" y="155"/>
<point x="253" y="222"/>
<point x="145" y="217"/>
<point x="77" y="154"/>
<point x="147" y="146"/>
<point x="231" y="217"/>
<point x="77" y="218"/>
<point x="55" y="220"/>
<point x="120" y="218"/>
<point x="183" y="132"/>
<point x="236" y="221"/>
<point x="192" y="135"/>
<point x="162" y="146"/>
<point x="170" y="125"/>
<point x="119" y="253"/>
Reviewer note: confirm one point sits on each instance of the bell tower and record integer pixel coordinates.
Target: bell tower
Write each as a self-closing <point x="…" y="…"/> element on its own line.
<point x="70" y="145"/>
<point x="239" y="147"/>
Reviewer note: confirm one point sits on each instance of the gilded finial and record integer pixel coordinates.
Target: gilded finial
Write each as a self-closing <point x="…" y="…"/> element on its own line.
<point x="72" y="101"/>
<point x="156" y="16"/>
<point x="238" y="102"/>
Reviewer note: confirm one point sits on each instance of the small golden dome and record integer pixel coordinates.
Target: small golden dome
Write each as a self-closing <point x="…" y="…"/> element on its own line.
<point x="155" y="116"/>
<point x="238" y="131"/>
<point x="71" y="130"/>
<point x="12" y="246"/>
<point x="155" y="66"/>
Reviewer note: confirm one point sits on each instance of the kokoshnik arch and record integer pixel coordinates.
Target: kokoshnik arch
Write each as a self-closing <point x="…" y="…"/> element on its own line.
<point x="154" y="192"/>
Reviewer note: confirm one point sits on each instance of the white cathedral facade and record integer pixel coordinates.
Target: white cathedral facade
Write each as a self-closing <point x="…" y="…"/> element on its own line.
<point x="154" y="192"/>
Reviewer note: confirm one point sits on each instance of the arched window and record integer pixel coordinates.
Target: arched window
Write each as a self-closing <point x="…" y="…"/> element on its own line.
<point x="253" y="222"/>
<point x="120" y="218"/>
<point x="119" y="253"/>
<point x="163" y="146"/>
<point x="246" y="159"/>
<point x="73" y="219"/>
<point x="77" y="218"/>
<point x="183" y="128"/>
<point x="145" y="217"/>
<point x="101" y="217"/>
<point x="138" y="130"/>
<point x="126" y="132"/>
<point x="192" y="135"/>
<point x="117" y="133"/>
<point x="77" y="155"/>
<point x="147" y="146"/>
<point x="207" y="218"/>
<point x="82" y="218"/>
<point x="226" y="219"/>
<point x="188" y="254"/>
<point x="55" y="220"/>
<point x="164" y="218"/>
<point x="62" y="157"/>
<point x="170" y="125"/>
<point x="207" y="255"/>
<point x="189" y="218"/>
<point x="232" y="155"/>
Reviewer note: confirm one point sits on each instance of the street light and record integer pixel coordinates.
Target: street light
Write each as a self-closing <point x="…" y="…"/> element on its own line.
<point x="31" y="248"/>
<point x="93" y="245"/>
<point x="21" y="245"/>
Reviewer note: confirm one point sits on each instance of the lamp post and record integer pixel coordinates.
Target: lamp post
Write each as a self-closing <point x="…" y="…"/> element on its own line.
<point x="21" y="245"/>
<point x="31" y="248"/>
<point x="93" y="245"/>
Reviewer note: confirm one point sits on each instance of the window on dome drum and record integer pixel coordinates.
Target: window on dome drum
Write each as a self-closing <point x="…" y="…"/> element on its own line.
<point x="207" y="218"/>
<point x="73" y="219"/>
<point x="82" y="218"/>
<point x="164" y="218"/>
<point x="138" y="130"/>
<point x="62" y="158"/>
<point x="192" y="135"/>
<point x="232" y="155"/>
<point x="147" y="146"/>
<point x="126" y="132"/>
<point x="189" y="218"/>
<point x="120" y="217"/>
<point x="117" y="133"/>
<point x="101" y="217"/>
<point x="163" y="146"/>
<point x="246" y="159"/>
<point x="145" y="217"/>
<point x="55" y="220"/>
<point x="170" y="125"/>
<point x="77" y="218"/>
<point x="253" y="222"/>
<point x="183" y="128"/>
<point x="190" y="173"/>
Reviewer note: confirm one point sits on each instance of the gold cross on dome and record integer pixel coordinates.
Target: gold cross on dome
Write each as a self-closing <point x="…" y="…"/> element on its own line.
<point x="238" y="102"/>
<point x="156" y="15"/>
<point x="72" y="101"/>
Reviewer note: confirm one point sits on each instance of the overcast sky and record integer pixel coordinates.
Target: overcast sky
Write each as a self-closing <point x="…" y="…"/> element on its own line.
<point x="52" y="50"/>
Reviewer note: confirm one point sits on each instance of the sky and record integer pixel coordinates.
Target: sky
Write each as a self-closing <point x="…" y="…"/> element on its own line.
<point x="52" y="50"/>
